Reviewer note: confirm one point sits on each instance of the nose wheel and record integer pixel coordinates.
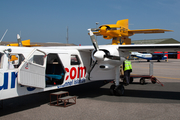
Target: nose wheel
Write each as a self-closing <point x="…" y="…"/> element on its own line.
<point x="117" y="90"/>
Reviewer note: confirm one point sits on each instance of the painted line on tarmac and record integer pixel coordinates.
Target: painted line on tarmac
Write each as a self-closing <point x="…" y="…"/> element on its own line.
<point x="167" y="77"/>
<point x="160" y="77"/>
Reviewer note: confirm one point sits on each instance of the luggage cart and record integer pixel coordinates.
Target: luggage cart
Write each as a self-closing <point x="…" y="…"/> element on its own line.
<point x="143" y="77"/>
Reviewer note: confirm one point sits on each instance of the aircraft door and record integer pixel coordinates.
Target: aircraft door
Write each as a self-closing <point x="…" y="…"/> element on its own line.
<point x="32" y="70"/>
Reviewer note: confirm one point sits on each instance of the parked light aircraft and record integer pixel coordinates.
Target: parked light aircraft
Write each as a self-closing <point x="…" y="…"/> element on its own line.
<point x="24" y="43"/>
<point x="120" y="32"/>
<point x="153" y="56"/>
<point x="148" y="56"/>
<point x="38" y="69"/>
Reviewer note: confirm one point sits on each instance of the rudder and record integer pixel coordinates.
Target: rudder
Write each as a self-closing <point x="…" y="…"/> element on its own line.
<point x="123" y="23"/>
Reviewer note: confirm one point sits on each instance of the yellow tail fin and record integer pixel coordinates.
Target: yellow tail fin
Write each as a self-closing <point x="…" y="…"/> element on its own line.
<point x="123" y="23"/>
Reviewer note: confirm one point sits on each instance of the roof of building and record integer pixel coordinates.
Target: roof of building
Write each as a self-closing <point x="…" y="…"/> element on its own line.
<point x="156" y="41"/>
<point x="41" y="44"/>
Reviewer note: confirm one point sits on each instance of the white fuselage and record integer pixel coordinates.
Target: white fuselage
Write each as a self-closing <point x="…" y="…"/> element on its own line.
<point x="48" y="68"/>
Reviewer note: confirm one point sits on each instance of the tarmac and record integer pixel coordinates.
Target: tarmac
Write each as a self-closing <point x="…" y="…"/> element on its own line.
<point x="94" y="102"/>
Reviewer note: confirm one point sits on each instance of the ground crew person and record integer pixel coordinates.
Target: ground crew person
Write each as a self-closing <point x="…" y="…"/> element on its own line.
<point x="127" y="67"/>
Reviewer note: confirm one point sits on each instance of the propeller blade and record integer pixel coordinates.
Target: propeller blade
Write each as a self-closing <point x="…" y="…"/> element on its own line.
<point x="90" y="69"/>
<point x="93" y="39"/>
<point x="95" y="29"/>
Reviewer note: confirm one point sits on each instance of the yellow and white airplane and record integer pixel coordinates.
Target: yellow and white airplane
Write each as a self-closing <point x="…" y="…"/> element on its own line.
<point x="24" y="43"/>
<point x="120" y="32"/>
<point x="39" y="69"/>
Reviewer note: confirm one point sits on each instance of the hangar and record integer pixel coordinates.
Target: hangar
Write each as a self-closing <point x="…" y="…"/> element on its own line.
<point x="160" y="41"/>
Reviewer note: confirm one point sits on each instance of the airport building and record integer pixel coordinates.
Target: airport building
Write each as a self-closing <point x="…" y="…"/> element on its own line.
<point x="160" y="41"/>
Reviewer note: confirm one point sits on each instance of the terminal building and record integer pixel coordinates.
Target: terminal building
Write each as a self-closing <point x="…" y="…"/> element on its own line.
<point x="160" y="41"/>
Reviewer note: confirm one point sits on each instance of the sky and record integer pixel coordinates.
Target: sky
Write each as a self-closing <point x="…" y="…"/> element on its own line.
<point x="47" y="20"/>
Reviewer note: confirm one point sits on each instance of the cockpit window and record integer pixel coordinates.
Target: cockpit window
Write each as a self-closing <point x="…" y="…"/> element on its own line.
<point x="1" y="60"/>
<point x="75" y="60"/>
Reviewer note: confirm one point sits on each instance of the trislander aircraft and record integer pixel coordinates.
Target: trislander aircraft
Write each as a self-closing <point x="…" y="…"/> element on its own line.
<point x="27" y="70"/>
<point x="148" y="56"/>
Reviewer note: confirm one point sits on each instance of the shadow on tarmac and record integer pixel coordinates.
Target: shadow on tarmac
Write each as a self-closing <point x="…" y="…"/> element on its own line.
<point x="98" y="91"/>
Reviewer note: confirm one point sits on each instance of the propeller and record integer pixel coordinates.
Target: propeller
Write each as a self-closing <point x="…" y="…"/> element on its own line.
<point x="93" y="39"/>
<point x="96" y="48"/>
<point x="97" y="54"/>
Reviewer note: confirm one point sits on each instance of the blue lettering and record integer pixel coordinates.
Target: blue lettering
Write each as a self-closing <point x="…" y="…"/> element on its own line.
<point x="13" y="82"/>
<point x="13" y="78"/>
<point x="5" y="84"/>
<point x="71" y="83"/>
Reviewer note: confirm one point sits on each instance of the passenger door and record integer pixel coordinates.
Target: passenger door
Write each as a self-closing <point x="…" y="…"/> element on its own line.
<point x="32" y="70"/>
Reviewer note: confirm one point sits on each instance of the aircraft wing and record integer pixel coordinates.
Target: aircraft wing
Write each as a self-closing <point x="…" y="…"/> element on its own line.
<point x="150" y="48"/>
<point x="148" y="31"/>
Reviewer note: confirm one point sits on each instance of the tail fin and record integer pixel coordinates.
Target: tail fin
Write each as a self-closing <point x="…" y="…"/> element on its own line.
<point x="123" y="23"/>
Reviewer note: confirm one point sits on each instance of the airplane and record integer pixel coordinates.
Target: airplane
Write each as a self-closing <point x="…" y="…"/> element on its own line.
<point x="120" y="32"/>
<point x="39" y="69"/>
<point x="153" y="56"/>
<point x="24" y="43"/>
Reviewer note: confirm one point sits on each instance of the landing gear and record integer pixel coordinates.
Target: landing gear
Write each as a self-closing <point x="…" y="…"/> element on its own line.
<point x="112" y="89"/>
<point x="117" y="90"/>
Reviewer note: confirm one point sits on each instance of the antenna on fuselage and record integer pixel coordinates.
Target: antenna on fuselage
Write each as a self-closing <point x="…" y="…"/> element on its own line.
<point x="3" y="36"/>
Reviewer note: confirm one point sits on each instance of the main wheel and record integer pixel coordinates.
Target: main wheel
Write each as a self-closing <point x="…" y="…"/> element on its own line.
<point x="142" y="81"/>
<point x="112" y="89"/>
<point x="120" y="90"/>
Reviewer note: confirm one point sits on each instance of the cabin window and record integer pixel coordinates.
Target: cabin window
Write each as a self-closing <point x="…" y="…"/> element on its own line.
<point x="1" y="60"/>
<point x="75" y="60"/>
<point x="38" y="58"/>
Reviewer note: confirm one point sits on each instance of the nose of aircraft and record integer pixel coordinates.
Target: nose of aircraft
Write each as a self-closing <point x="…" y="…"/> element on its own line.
<point x="103" y="29"/>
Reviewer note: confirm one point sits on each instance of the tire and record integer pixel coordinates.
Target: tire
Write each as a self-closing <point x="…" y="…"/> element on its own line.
<point x="142" y="81"/>
<point x="120" y="90"/>
<point x="112" y="89"/>
<point x="153" y="80"/>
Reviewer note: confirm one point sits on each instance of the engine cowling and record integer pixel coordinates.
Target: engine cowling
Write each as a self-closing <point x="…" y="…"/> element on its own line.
<point x="99" y="55"/>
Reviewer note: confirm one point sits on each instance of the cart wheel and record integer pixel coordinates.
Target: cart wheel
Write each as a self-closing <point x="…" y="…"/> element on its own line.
<point x="112" y="89"/>
<point x="131" y="79"/>
<point x="153" y="80"/>
<point x="142" y="81"/>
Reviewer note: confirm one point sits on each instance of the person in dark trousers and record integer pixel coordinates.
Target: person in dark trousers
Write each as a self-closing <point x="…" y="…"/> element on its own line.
<point x="127" y="67"/>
